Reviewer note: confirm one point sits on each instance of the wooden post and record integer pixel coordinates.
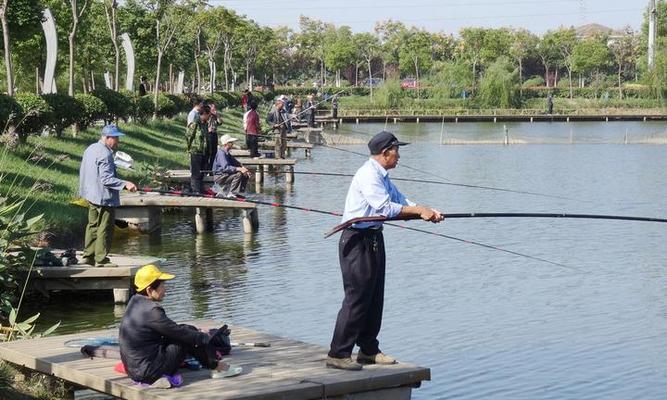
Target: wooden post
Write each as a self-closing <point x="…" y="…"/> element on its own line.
<point x="442" y="131"/>
<point x="626" y="136"/>
<point x="507" y="135"/>
<point x="203" y="219"/>
<point x="121" y="295"/>
<point x="289" y="174"/>
<point x="250" y="220"/>
<point x="308" y="153"/>
<point x="259" y="174"/>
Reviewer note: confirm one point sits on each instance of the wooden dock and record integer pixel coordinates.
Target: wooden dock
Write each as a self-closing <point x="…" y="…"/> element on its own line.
<point x="288" y="370"/>
<point x="259" y="165"/>
<point x="307" y="147"/>
<point x="395" y="118"/>
<point x="143" y="211"/>
<point x="87" y="277"/>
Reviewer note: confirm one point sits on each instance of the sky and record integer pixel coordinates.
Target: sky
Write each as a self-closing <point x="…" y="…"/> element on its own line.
<point x="447" y="16"/>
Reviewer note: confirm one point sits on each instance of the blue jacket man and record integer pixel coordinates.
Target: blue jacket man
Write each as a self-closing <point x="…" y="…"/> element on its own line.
<point x="100" y="185"/>
<point x="228" y="172"/>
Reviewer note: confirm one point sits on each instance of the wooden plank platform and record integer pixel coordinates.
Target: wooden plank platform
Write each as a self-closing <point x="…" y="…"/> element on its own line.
<point x="87" y="277"/>
<point x="494" y="118"/>
<point x="143" y="211"/>
<point x="289" y="369"/>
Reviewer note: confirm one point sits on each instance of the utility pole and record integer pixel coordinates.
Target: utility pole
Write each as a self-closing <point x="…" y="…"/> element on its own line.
<point x="652" y="18"/>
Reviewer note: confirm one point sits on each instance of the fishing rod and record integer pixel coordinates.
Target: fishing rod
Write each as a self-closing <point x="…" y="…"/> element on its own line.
<point x="381" y="218"/>
<point x="439" y="183"/>
<point x="337" y="214"/>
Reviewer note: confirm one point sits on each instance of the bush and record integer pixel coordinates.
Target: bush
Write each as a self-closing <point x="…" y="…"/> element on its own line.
<point x="143" y="108"/>
<point x="10" y="112"/>
<point x="118" y="105"/>
<point x="181" y="102"/>
<point x="533" y="81"/>
<point x="449" y="80"/>
<point x="36" y="114"/>
<point x="165" y="106"/>
<point x="389" y="95"/>
<point x="66" y="111"/>
<point x="219" y="99"/>
<point x="499" y="85"/>
<point x="93" y="109"/>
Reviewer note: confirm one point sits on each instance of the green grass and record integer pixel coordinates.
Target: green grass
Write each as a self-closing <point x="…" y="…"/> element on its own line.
<point x="160" y="142"/>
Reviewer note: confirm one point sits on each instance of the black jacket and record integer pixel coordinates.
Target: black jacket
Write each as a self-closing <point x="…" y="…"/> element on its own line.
<point x="145" y="331"/>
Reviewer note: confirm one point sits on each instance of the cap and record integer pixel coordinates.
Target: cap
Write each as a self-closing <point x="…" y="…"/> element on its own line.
<point x="111" y="130"/>
<point x="149" y="274"/>
<point x="382" y="141"/>
<point x="227" y="139"/>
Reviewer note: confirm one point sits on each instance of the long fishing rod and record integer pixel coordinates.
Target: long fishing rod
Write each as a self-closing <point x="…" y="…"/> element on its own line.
<point x="438" y="183"/>
<point x="381" y="218"/>
<point x="337" y="214"/>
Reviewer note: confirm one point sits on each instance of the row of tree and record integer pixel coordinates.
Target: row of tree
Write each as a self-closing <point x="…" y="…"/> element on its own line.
<point x="191" y="36"/>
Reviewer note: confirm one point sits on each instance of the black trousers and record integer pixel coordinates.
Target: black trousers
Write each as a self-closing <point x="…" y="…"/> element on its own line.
<point x="235" y="182"/>
<point x="197" y="164"/>
<point x="171" y="357"/>
<point x="211" y="150"/>
<point x="362" y="262"/>
<point x="251" y="142"/>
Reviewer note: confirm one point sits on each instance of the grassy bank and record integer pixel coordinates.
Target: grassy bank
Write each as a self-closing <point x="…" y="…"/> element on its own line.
<point x="46" y="169"/>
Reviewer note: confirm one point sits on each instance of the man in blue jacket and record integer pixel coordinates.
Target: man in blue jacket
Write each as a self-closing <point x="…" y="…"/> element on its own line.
<point x="228" y="172"/>
<point x="100" y="185"/>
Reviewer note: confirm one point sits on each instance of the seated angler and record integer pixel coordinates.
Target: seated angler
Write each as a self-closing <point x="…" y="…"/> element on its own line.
<point x="228" y="172"/>
<point x="153" y="347"/>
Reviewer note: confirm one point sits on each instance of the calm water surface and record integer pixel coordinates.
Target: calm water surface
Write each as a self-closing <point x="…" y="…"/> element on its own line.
<point x="489" y="324"/>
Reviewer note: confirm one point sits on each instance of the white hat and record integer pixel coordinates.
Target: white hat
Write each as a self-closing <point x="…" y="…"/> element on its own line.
<point x="227" y="139"/>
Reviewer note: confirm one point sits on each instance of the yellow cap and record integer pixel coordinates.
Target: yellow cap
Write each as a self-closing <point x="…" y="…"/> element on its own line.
<point x="149" y="274"/>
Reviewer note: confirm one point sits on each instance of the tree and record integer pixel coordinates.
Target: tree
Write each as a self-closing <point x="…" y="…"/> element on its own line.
<point x="496" y="43"/>
<point x="470" y="48"/>
<point x="415" y="53"/>
<point x="23" y="18"/>
<point x="565" y="40"/>
<point x="547" y="50"/>
<point x="369" y="48"/>
<point x="110" y="7"/>
<point x="311" y="42"/>
<point x="498" y="86"/>
<point x="391" y="34"/>
<point x="339" y="50"/>
<point x="589" y="56"/>
<point x="77" y="13"/>
<point x="624" y="51"/>
<point x="523" y="46"/>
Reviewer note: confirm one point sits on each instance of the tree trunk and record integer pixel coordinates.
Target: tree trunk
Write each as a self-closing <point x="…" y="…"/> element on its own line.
<point x="8" y="56"/>
<point x="620" y="88"/>
<point x="520" y="78"/>
<point x="474" y="77"/>
<point x="197" y="78"/>
<point x="70" y="90"/>
<point x="370" y="78"/>
<point x="569" y="76"/>
<point x="156" y="89"/>
<point x="111" y="21"/>
<point x="546" y="74"/>
<point x="556" y="78"/>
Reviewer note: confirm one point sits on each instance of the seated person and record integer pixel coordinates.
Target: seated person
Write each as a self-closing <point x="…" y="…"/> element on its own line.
<point x="228" y="173"/>
<point x="152" y="346"/>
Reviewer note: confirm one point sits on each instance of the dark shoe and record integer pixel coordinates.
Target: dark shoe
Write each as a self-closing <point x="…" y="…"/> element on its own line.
<point x="106" y="265"/>
<point x="379" y="358"/>
<point x="343" y="363"/>
<point x="88" y="261"/>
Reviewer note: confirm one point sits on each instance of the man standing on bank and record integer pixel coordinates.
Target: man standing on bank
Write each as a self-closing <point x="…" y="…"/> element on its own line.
<point x="362" y="256"/>
<point x="196" y="137"/>
<point x="100" y="185"/>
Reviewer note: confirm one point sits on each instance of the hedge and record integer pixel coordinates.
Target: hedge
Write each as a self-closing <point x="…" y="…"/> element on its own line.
<point x="36" y="114"/>
<point x="93" y="109"/>
<point x="65" y="111"/>
<point x="10" y="112"/>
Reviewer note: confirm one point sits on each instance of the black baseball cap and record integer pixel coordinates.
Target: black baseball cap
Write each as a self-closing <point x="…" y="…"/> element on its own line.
<point x="382" y="141"/>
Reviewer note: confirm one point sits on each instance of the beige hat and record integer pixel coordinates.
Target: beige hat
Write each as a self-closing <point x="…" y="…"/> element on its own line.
<point x="227" y="139"/>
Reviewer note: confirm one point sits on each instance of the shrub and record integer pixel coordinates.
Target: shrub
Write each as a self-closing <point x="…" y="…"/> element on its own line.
<point x="499" y="85"/>
<point x="143" y="107"/>
<point x="36" y="114"/>
<point x="533" y="81"/>
<point x="221" y="100"/>
<point x="93" y="109"/>
<point x="66" y="111"/>
<point x="10" y="112"/>
<point x="389" y="95"/>
<point x="181" y="102"/>
<point x="165" y="106"/>
<point x="118" y="104"/>
<point x="450" y="79"/>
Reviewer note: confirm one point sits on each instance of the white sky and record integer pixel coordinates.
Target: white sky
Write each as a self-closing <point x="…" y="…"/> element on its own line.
<point x="446" y="16"/>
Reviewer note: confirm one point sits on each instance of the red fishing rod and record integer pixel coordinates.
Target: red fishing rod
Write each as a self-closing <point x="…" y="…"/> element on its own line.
<point x="337" y="214"/>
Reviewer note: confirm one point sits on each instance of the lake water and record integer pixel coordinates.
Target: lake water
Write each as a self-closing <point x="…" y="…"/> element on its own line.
<point x="488" y="324"/>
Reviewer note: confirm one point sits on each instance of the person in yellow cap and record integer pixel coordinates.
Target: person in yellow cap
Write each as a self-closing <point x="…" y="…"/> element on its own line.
<point x="152" y="346"/>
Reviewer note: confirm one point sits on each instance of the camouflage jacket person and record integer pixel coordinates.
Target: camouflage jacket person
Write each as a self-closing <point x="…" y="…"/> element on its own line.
<point x="196" y="136"/>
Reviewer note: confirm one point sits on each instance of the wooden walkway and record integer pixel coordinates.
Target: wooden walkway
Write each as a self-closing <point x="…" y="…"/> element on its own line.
<point x="489" y="118"/>
<point x="288" y="370"/>
<point x="143" y="211"/>
<point x="260" y="165"/>
<point x="87" y="277"/>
